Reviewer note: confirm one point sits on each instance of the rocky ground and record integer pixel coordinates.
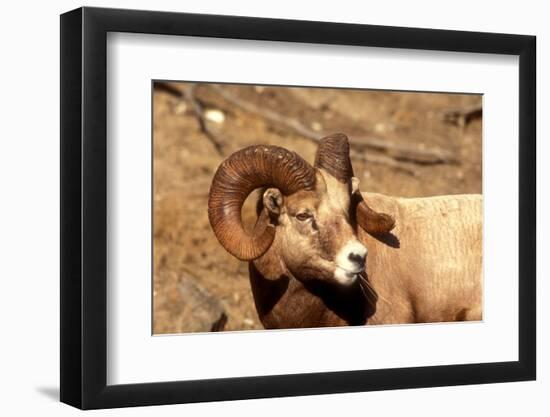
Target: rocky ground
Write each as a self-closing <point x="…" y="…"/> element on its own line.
<point x="404" y="144"/>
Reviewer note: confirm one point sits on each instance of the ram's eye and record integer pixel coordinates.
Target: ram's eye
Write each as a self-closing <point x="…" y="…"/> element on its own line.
<point x="303" y="216"/>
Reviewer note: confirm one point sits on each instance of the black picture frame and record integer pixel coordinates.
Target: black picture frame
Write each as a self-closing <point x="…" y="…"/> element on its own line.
<point x="84" y="207"/>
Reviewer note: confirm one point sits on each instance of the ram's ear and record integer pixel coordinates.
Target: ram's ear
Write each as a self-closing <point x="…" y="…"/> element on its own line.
<point x="273" y="201"/>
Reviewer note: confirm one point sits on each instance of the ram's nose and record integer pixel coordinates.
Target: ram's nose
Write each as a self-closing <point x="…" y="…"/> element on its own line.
<point x="358" y="258"/>
<point x="353" y="256"/>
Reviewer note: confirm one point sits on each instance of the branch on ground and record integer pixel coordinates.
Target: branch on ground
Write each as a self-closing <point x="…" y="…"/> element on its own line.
<point x="462" y="116"/>
<point x="395" y="150"/>
<point x="198" y="107"/>
<point x="384" y="160"/>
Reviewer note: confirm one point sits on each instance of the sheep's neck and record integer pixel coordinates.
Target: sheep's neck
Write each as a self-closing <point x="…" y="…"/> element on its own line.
<point x="283" y="301"/>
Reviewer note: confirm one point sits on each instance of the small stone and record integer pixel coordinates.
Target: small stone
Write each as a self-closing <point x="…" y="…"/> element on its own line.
<point x="214" y="115"/>
<point x="380" y="127"/>
<point x="180" y="108"/>
<point x="248" y="322"/>
<point x="259" y="89"/>
<point x="317" y="126"/>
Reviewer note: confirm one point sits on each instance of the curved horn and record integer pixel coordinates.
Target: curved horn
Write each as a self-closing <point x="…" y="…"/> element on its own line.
<point x="241" y="173"/>
<point x="333" y="156"/>
<point x="372" y="221"/>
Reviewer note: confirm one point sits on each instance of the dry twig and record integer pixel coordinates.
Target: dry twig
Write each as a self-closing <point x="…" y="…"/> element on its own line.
<point x="198" y="109"/>
<point x="397" y="151"/>
<point x="168" y="88"/>
<point x="385" y="160"/>
<point x="197" y="105"/>
<point x="462" y="116"/>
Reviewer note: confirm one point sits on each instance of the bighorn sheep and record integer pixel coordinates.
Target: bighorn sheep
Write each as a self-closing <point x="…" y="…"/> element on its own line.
<point x="307" y="253"/>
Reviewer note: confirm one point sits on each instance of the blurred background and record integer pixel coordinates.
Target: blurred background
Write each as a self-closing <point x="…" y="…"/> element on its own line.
<point x="405" y="144"/>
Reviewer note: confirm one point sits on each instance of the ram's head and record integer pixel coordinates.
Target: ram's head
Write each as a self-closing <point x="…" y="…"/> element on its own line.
<point x="308" y="215"/>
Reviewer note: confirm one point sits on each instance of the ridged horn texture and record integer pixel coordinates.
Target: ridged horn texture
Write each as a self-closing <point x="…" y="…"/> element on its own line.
<point x="333" y="156"/>
<point x="241" y="173"/>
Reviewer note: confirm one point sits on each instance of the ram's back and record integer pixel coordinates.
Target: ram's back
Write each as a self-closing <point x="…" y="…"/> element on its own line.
<point x="429" y="268"/>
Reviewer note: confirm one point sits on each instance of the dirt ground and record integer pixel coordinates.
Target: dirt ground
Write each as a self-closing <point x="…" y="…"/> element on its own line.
<point x="407" y="144"/>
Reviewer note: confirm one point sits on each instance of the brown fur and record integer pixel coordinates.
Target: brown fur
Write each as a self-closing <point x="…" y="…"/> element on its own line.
<point x="307" y="251"/>
<point x="427" y="270"/>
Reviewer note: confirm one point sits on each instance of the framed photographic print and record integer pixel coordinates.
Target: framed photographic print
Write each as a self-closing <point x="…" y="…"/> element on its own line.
<point x="258" y="207"/>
